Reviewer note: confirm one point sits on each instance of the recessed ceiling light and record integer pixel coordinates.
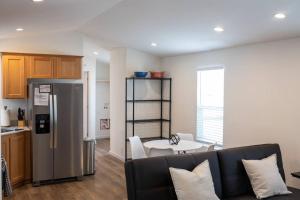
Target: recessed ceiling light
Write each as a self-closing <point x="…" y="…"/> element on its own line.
<point x="154" y="44"/>
<point x="96" y="53"/>
<point x="37" y="0"/>
<point x="19" y="29"/>
<point x="218" y="29"/>
<point x="280" y="16"/>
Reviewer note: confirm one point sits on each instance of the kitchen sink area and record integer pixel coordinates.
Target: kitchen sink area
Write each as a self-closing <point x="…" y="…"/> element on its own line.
<point x="10" y="129"/>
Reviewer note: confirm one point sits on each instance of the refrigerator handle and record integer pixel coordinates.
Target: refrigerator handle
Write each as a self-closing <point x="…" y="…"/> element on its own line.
<point x="51" y="120"/>
<point x="55" y="120"/>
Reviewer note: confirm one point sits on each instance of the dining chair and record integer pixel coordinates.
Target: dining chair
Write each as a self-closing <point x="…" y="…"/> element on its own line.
<point x="186" y="136"/>
<point x="137" y="148"/>
<point x="154" y="152"/>
<point x="201" y="149"/>
<point x="211" y="147"/>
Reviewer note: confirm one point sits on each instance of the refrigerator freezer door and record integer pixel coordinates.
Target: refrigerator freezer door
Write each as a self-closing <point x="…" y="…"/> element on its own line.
<point x="42" y="159"/>
<point x="68" y="130"/>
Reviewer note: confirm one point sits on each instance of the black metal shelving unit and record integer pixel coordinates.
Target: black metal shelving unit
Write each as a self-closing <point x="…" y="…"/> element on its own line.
<point x="133" y="101"/>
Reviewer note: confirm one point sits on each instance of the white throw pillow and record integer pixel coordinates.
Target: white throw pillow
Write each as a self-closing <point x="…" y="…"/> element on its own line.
<point x="195" y="185"/>
<point x="265" y="178"/>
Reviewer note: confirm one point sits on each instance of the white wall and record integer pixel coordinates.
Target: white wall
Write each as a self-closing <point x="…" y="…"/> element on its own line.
<point x="69" y="43"/>
<point x="123" y="63"/>
<point x="137" y="60"/>
<point x="262" y="87"/>
<point x="89" y="65"/>
<point x="102" y="97"/>
<point x="117" y="94"/>
<point x="102" y="71"/>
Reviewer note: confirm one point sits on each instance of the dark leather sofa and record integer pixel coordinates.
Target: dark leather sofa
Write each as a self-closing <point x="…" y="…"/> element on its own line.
<point x="149" y="179"/>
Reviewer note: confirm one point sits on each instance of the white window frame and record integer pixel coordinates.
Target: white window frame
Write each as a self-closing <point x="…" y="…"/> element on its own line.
<point x="206" y="68"/>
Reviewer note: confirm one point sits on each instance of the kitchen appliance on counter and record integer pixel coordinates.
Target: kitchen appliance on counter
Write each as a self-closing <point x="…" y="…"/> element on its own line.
<point x="21" y="117"/>
<point x="4" y="113"/>
<point x="56" y="120"/>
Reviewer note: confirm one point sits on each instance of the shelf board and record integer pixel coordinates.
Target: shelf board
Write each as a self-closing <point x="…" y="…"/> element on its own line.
<point x="147" y="120"/>
<point x="137" y="78"/>
<point x="148" y="100"/>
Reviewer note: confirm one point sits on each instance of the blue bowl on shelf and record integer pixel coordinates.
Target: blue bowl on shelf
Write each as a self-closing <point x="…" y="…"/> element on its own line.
<point x="140" y="74"/>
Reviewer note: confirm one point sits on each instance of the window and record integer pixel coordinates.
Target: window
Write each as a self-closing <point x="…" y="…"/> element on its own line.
<point x="210" y="104"/>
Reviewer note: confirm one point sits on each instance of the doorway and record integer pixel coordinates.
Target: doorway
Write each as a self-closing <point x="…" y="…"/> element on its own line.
<point x="102" y="103"/>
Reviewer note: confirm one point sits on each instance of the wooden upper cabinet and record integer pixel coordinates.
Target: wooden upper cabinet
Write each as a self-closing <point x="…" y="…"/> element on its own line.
<point x="41" y="67"/>
<point x="17" y="68"/>
<point x="14" y="86"/>
<point x="68" y="67"/>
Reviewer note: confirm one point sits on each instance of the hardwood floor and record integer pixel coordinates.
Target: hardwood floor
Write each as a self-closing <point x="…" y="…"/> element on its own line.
<point x="108" y="183"/>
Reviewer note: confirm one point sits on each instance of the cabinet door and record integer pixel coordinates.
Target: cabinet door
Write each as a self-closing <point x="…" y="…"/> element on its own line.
<point x="17" y="158"/>
<point x="68" y="68"/>
<point x="41" y="67"/>
<point x="14" y="86"/>
<point x="5" y="148"/>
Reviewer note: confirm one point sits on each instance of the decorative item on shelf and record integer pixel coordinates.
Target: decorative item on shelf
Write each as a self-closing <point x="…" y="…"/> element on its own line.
<point x="156" y="74"/>
<point x="21" y="117"/>
<point x="140" y="74"/>
<point x="174" y="139"/>
<point x="4" y="117"/>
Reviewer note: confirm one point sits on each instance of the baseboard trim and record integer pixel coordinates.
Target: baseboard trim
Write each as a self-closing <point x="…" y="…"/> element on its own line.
<point x="116" y="156"/>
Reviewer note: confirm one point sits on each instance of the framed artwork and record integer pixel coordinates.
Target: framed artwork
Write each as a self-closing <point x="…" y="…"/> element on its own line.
<point x="104" y="124"/>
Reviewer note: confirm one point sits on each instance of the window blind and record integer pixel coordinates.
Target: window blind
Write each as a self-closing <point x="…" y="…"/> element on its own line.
<point x="210" y="105"/>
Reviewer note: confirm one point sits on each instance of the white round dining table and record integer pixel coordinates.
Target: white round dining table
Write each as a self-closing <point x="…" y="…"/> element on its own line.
<point x="182" y="146"/>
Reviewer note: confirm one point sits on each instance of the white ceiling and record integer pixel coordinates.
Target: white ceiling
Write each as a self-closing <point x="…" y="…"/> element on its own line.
<point x="178" y="26"/>
<point x="185" y="26"/>
<point x="48" y="16"/>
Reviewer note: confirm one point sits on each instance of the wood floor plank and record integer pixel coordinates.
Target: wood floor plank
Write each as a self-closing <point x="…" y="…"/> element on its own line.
<point x="108" y="183"/>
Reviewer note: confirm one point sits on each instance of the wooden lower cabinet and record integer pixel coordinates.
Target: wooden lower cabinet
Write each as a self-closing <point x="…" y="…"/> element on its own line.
<point x="16" y="149"/>
<point x="5" y="149"/>
<point x="17" y="158"/>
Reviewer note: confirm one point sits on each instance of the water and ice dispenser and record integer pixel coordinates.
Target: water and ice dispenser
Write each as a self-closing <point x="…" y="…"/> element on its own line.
<point x="42" y="123"/>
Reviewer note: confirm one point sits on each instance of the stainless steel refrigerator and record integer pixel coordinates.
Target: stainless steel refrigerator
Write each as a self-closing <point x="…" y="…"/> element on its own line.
<point x="56" y="118"/>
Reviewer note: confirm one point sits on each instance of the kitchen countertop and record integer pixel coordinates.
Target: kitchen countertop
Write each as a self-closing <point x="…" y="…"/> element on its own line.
<point x="14" y="132"/>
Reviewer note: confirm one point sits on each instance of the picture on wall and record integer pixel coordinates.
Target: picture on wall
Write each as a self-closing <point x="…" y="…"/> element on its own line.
<point x="104" y="124"/>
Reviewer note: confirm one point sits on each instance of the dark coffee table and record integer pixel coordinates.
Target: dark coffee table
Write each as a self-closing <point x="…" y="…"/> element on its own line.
<point x="296" y="174"/>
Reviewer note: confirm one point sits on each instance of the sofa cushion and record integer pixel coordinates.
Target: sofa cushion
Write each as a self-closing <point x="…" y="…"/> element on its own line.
<point x="194" y="185"/>
<point x="149" y="178"/>
<point x="265" y="178"/>
<point x="235" y="180"/>
<point x="294" y="196"/>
